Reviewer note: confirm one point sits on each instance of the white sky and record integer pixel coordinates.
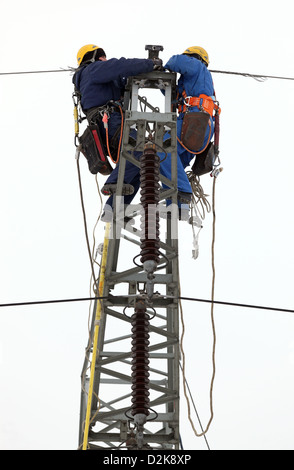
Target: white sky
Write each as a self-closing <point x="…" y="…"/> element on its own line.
<point x="42" y="246"/>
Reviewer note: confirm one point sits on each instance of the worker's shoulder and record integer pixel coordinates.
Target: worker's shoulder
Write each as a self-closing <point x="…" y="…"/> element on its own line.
<point x="181" y="60"/>
<point x="110" y="63"/>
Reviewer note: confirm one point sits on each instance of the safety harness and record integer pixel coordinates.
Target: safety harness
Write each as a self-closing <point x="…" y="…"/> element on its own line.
<point x="194" y="129"/>
<point x="203" y="102"/>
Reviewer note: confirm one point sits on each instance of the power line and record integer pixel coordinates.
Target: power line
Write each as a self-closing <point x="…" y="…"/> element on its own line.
<point x="244" y="74"/>
<point x="84" y="299"/>
<point x="40" y="302"/>
<point x="234" y="304"/>
<point x="36" y="71"/>
<point x="251" y="75"/>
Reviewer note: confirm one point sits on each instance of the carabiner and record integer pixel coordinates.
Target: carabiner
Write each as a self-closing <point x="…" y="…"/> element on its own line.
<point x="187" y="103"/>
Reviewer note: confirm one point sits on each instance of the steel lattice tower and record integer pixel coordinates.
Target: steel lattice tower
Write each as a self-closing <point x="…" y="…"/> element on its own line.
<point x="135" y="387"/>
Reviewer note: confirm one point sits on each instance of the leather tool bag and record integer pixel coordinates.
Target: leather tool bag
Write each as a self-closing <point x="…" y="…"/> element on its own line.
<point x="93" y="149"/>
<point x="194" y="130"/>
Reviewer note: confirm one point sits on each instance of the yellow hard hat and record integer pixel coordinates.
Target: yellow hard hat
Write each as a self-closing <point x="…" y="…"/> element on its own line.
<point x="198" y="50"/>
<point x="83" y="51"/>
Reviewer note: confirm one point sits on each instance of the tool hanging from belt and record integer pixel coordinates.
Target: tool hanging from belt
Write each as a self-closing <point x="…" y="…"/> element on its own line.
<point x="90" y="142"/>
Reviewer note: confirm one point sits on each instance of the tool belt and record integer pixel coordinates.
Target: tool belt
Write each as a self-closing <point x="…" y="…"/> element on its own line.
<point x="95" y="114"/>
<point x="203" y="102"/>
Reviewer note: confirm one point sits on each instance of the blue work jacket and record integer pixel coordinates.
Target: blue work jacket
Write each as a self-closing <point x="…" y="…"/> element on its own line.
<point x="102" y="81"/>
<point x="195" y="78"/>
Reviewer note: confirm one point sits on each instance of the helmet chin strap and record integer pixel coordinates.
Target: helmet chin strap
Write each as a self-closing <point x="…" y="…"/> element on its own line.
<point x="94" y="56"/>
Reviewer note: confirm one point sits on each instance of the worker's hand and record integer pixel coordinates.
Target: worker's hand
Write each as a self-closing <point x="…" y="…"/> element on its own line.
<point x="157" y="64"/>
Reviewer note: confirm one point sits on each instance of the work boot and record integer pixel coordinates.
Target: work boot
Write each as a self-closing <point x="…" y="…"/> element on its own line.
<point x="110" y="189"/>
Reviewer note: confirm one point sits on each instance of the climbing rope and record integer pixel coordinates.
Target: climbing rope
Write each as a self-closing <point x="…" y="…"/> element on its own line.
<point x="84" y="215"/>
<point x="199" y="198"/>
<point x="213" y="330"/>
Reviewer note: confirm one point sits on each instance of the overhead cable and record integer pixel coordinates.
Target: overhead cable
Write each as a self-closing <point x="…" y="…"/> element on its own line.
<point x="234" y="304"/>
<point x="251" y="75"/>
<point x="35" y="71"/>
<point x="84" y="299"/>
<point x="41" y="302"/>
<point x="244" y="74"/>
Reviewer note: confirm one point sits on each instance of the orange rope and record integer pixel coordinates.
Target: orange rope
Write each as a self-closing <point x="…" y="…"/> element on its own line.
<point x="105" y="119"/>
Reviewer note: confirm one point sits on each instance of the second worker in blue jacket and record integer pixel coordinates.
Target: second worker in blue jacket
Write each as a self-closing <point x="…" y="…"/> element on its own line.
<point x="195" y="93"/>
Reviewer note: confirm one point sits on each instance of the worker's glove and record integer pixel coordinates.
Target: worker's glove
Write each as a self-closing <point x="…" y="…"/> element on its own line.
<point x="157" y="64"/>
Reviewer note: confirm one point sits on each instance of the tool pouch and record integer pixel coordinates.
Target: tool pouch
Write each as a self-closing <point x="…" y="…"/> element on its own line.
<point x="92" y="148"/>
<point x="194" y="130"/>
<point x="204" y="161"/>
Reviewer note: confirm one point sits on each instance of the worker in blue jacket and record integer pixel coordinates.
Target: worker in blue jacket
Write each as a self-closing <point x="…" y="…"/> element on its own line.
<point x="99" y="80"/>
<point x="195" y="92"/>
